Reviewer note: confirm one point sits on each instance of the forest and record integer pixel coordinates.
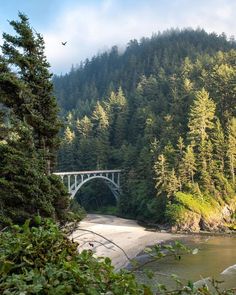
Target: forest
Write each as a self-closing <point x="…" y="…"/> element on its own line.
<point x="163" y="111"/>
<point x="36" y="255"/>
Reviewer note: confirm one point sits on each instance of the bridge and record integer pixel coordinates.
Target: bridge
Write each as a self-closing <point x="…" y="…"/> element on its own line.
<point x="75" y="180"/>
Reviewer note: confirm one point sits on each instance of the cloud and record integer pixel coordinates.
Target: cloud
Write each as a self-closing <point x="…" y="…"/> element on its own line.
<point x="93" y="26"/>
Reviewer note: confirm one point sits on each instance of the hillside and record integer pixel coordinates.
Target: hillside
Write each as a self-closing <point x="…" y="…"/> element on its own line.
<point x="164" y="112"/>
<point x="96" y="78"/>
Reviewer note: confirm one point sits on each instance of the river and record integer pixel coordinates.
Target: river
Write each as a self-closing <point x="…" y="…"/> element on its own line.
<point x="216" y="258"/>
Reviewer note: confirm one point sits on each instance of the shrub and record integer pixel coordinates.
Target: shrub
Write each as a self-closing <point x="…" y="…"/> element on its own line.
<point x="42" y="260"/>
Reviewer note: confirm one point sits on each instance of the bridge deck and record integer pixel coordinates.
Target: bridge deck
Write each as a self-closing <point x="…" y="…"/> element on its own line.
<point x="86" y="172"/>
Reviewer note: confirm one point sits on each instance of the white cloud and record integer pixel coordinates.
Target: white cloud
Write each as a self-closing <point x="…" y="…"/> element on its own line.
<point x="91" y="28"/>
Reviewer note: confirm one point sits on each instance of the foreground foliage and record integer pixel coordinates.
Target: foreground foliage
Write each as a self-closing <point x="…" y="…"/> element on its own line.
<point x="41" y="260"/>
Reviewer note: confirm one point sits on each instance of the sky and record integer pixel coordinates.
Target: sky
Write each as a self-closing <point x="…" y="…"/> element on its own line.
<point x="93" y="26"/>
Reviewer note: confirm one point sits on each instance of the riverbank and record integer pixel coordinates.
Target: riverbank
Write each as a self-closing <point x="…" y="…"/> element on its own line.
<point x="116" y="238"/>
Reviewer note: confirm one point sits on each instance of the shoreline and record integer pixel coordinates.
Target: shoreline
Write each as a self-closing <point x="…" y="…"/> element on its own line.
<point x="116" y="238"/>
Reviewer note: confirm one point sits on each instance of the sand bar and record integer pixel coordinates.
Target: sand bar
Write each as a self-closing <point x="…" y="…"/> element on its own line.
<point x="127" y="234"/>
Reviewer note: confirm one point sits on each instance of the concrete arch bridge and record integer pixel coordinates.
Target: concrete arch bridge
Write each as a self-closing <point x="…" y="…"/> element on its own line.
<point x="75" y="180"/>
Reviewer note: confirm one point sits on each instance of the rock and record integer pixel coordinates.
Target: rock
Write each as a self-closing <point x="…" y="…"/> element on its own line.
<point x="163" y="231"/>
<point x="190" y="221"/>
<point x="174" y="229"/>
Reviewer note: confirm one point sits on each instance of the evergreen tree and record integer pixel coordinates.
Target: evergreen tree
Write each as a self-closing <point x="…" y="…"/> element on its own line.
<point x="188" y="166"/>
<point x="37" y="105"/>
<point x="84" y="127"/>
<point x="201" y="117"/>
<point x="201" y="122"/>
<point x="173" y="184"/>
<point x="180" y="151"/>
<point x="25" y="188"/>
<point x="117" y="111"/>
<point x="221" y="82"/>
<point x="85" y="153"/>
<point x="231" y="150"/>
<point x="100" y="131"/>
<point x="219" y="146"/>
<point x="161" y="174"/>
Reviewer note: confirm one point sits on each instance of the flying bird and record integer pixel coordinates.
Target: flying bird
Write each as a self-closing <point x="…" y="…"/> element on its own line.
<point x="64" y="43"/>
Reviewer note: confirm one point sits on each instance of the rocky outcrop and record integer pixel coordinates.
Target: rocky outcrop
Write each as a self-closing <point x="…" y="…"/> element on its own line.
<point x="196" y="214"/>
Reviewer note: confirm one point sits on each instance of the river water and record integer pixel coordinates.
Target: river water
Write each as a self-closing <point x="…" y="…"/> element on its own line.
<point x="216" y="259"/>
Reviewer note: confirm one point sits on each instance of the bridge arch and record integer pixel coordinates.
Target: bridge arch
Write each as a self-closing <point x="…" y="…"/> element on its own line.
<point x="75" y="180"/>
<point x="111" y="184"/>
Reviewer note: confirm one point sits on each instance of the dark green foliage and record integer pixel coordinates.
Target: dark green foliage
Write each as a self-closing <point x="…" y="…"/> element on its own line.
<point x="31" y="94"/>
<point x="42" y="260"/>
<point x="171" y="126"/>
<point x="30" y="125"/>
<point x="159" y="55"/>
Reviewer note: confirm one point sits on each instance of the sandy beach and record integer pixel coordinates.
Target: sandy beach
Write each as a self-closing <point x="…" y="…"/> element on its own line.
<point x="126" y="234"/>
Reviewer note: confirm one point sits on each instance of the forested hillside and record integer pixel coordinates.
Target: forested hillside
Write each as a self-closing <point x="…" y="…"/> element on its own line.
<point x="164" y="112"/>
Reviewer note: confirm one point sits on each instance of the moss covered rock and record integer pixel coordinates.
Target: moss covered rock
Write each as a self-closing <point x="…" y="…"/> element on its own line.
<point x="195" y="213"/>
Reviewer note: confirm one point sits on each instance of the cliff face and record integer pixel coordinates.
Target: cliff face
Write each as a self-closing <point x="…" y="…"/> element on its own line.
<point x="197" y="214"/>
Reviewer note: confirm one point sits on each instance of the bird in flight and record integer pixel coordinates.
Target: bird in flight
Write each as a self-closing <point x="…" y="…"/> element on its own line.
<point x="64" y="43"/>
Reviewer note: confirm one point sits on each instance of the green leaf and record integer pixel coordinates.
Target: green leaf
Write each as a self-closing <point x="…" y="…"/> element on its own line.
<point x="149" y="273"/>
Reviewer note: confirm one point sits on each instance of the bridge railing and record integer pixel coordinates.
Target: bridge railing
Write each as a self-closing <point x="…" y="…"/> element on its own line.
<point x="86" y="172"/>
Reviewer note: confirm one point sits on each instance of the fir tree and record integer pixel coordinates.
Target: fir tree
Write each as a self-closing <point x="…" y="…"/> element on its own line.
<point x="173" y="184"/>
<point x="201" y="122"/>
<point x="219" y="146"/>
<point x="100" y="124"/>
<point x="201" y="117"/>
<point x="188" y="166"/>
<point x="161" y="174"/>
<point x="231" y="148"/>
<point x="37" y="105"/>
<point x="117" y="112"/>
<point x="25" y="98"/>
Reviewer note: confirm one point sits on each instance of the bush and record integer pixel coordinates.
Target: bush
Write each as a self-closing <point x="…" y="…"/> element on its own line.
<point x="42" y="260"/>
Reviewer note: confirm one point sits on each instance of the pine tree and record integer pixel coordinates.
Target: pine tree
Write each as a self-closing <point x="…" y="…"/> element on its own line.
<point x="173" y="184"/>
<point x="201" y="117"/>
<point x="231" y="148"/>
<point x="219" y="146"/>
<point x="69" y="135"/>
<point x="221" y="82"/>
<point x="36" y="104"/>
<point x="117" y="110"/>
<point x="3" y="128"/>
<point x="84" y="127"/>
<point x="161" y="174"/>
<point x="25" y="188"/>
<point x="202" y="114"/>
<point x="187" y="166"/>
<point x="100" y="131"/>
